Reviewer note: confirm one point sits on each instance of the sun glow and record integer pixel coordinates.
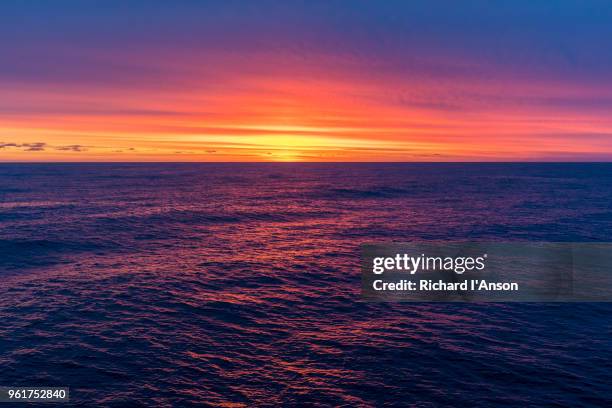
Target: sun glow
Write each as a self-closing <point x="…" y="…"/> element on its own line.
<point x="259" y="118"/>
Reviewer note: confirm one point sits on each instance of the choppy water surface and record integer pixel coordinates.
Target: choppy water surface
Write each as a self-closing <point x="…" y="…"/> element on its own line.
<point x="238" y="285"/>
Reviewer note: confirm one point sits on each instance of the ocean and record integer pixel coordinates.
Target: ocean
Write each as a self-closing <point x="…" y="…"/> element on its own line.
<point x="231" y="285"/>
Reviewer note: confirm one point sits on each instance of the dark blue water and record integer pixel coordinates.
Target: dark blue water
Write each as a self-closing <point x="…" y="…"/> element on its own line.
<point x="238" y="285"/>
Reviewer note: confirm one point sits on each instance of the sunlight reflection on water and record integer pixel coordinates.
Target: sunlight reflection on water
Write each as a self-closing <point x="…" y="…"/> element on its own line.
<point x="177" y="284"/>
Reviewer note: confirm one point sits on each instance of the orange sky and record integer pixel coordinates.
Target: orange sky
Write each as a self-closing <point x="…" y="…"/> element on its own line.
<point x="333" y="117"/>
<point x="285" y="119"/>
<point x="159" y="102"/>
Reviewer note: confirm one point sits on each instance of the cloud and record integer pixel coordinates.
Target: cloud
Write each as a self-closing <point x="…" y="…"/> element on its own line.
<point x="72" y="148"/>
<point x="41" y="146"/>
<point x="28" y="147"/>
<point x="3" y="145"/>
<point x="34" y="147"/>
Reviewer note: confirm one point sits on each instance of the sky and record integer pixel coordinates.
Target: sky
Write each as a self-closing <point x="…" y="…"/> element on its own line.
<point x="305" y="80"/>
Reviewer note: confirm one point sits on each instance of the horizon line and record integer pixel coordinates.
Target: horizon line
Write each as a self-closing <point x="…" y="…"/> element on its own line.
<point x="310" y="162"/>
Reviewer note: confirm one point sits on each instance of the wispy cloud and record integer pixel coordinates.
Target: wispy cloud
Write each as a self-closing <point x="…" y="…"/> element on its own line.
<point x="34" y="147"/>
<point x="29" y="147"/>
<point x="72" y="148"/>
<point x="41" y="146"/>
<point x="4" y="145"/>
